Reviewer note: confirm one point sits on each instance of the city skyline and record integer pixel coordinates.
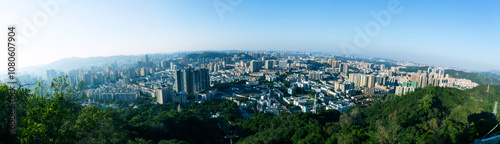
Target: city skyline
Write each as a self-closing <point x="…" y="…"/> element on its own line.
<point x="446" y="33"/>
<point x="250" y="71"/>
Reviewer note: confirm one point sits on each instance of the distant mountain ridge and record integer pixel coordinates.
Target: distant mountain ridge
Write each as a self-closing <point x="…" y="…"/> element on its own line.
<point x="74" y="63"/>
<point x="495" y="72"/>
<point x="215" y="55"/>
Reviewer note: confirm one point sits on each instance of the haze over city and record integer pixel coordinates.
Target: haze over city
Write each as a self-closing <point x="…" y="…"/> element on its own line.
<point x="249" y="71"/>
<point x="462" y="34"/>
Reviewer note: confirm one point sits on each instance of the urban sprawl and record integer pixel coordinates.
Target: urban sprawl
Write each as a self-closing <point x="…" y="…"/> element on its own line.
<point x="270" y="82"/>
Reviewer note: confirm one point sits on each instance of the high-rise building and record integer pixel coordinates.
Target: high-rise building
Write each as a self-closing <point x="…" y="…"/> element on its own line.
<point x="191" y="80"/>
<point x="380" y="80"/>
<point x="315" y="75"/>
<point x="415" y="84"/>
<point x="164" y="94"/>
<point x="283" y="64"/>
<point x="344" y="67"/>
<point x="98" y="78"/>
<point x="364" y="80"/>
<point x="423" y="80"/>
<point x="143" y="72"/>
<point x="355" y="79"/>
<point x="164" y="64"/>
<point x="401" y="90"/>
<point x="390" y="73"/>
<point x="216" y="68"/>
<point x="150" y="71"/>
<point x="414" y="76"/>
<point x="51" y="74"/>
<point x="255" y="66"/>
<point x="86" y="78"/>
<point x="344" y="87"/>
<point x="113" y="76"/>
<point x="436" y="70"/>
<point x="182" y="80"/>
<point x="126" y="79"/>
<point x="371" y="81"/>
<point x="395" y="69"/>
<point x="275" y="63"/>
<point x="382" y="67"/>
<point x="269" y="64"/>
<point x="334" y="63"/>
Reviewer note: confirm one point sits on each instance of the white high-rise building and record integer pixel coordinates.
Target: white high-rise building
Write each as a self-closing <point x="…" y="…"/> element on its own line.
<point x="283" y="64"/>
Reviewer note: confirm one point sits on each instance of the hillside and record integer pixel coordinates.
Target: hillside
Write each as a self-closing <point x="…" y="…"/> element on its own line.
<point x="475" y="77"/>
<point x="75" y="62"/>
<point x="487" y="99"/>
<point x="428" y="115"/>
<point x="492" y="74"/>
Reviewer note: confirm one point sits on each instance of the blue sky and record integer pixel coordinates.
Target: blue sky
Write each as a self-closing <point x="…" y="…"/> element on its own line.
<point x="462" y="34"/>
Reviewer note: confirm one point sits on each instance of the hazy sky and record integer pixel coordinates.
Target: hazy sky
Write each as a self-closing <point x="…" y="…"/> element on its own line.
<point x="463" y="34"/>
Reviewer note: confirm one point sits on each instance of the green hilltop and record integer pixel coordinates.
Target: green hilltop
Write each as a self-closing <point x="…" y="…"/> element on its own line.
<point x="475" y="77"/>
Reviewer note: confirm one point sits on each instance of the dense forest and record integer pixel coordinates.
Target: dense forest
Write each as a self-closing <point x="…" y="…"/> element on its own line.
<point x="428" y="115"/>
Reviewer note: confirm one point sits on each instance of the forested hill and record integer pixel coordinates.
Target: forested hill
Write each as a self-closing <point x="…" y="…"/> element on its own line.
<point x="475" y="77"/>
<point x="428" y="115"/>
<point x="205" y="55"/>
<point x="486" y="97"/>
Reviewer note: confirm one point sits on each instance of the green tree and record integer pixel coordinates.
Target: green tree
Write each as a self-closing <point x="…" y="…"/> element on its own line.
<point x="95" y="125"/>
<point x="48" y="110"/>
<point x="21" y="94"/>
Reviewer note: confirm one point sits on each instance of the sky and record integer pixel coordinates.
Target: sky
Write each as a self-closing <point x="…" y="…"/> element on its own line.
<point x="462" y="34"/>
